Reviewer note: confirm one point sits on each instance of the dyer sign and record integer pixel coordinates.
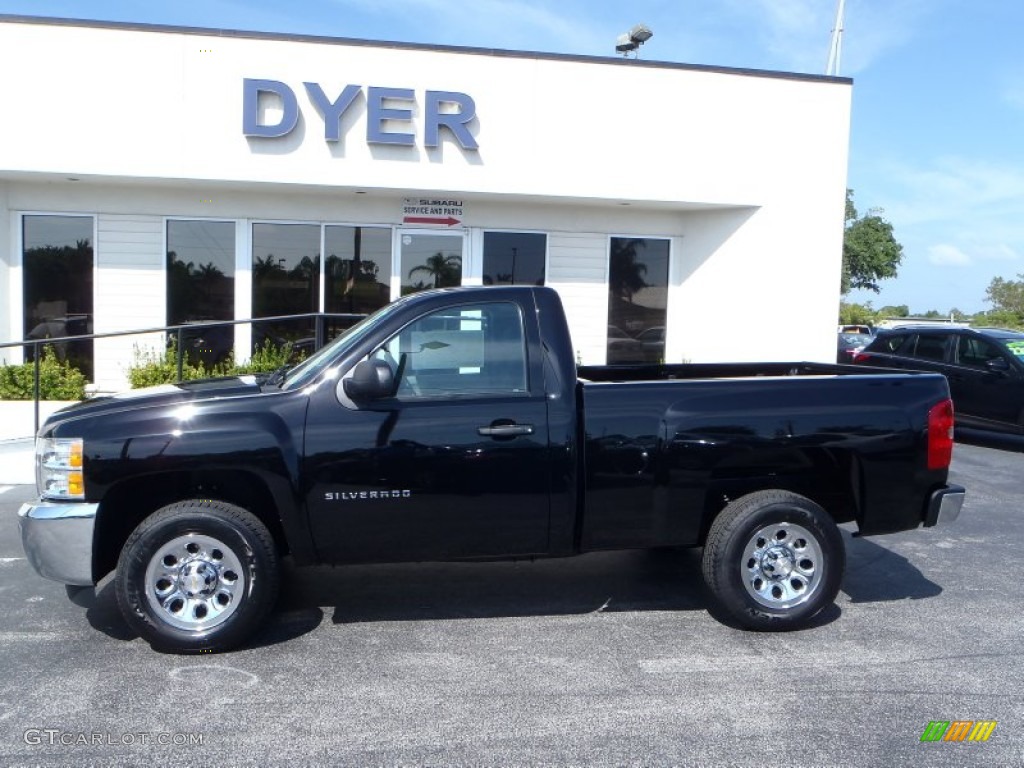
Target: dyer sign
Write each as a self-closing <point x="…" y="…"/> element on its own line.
<point x="441" y="109"/>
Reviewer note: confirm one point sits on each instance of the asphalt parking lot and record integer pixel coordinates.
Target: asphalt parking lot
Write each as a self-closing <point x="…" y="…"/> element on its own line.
<point x="603" y="659"/>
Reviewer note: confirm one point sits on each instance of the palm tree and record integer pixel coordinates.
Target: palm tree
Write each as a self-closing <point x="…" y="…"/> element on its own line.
<point x="445" y="270"/>
<point x="266" y="266"/>
<point x="208" y="270"/>
<point x="625" y="271"/>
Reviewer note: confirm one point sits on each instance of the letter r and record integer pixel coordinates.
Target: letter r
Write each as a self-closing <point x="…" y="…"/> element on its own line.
<point x="456" y="122"/>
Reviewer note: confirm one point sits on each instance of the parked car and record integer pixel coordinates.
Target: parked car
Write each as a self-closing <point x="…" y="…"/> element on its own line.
<point x="653" y="340"/>
<point x="623" y="348"/>
<point x="984" y="366"/>
<point x="849" y="344"/>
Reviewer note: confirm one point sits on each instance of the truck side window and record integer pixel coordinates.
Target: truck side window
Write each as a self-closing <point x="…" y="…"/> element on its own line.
<point x="476" y="349"/>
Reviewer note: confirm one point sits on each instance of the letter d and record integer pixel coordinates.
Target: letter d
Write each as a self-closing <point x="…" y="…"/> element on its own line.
<point x="251" y="91"/>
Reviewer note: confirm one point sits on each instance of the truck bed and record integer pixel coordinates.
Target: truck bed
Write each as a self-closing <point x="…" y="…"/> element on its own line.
<point x="665" y="447"/>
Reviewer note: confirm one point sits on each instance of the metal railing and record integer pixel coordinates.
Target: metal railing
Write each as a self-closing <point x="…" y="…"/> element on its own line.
<point x="181" y="332"/>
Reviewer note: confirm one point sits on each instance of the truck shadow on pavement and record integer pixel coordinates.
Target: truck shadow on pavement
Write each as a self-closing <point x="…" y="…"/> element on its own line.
<point x="607" y="581"/>
<point x="876" y="574"/>
<point x="656" y="580"/>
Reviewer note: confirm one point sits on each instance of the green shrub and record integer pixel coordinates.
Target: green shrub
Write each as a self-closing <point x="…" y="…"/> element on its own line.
<point x="266" y="359"/>
<point x="57" y="380"/>
<point x="151" y="368"/>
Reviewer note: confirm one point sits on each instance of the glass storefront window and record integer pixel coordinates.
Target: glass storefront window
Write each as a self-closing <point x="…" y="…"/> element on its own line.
<point x="285" y="281"/>
<point x="514" y="258"/>
<point x="201" y="284"/>
<point x="637" y="299"/>
<point x="57" y="267"/>
<point x="357" y="270"/>
<point x="430" y="261"/>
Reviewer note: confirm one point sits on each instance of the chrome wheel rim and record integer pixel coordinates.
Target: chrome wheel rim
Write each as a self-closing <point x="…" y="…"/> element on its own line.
<point x="194" y="582"/>
<point x="782" y="565"/>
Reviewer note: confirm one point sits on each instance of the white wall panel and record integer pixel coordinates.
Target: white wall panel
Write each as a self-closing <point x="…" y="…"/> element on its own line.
<point x="578" y="270"/>
<point x="129" y="292"/>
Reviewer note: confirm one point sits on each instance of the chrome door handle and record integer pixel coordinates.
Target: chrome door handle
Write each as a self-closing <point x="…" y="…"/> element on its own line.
<point x="505" y="430"/>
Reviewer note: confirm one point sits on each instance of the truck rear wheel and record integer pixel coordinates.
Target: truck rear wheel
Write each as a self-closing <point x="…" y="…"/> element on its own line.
<point x="773" y="560"/>
<point x="197" y="576"/>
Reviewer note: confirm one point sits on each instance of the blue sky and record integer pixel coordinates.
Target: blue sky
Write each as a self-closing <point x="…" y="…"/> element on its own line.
<point x="937" y="135"/>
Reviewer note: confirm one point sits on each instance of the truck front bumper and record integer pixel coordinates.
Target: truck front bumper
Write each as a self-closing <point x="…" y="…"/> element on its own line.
<point x="57" y="537"/>
<point x="944" y="505"/>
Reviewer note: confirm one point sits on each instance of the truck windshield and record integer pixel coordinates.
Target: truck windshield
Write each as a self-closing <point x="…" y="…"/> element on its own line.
<point x="314" y="365"/>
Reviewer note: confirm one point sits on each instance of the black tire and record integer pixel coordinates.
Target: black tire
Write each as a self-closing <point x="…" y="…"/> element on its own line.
<point x="773" y="560"/>
<point x="197" y="576"/>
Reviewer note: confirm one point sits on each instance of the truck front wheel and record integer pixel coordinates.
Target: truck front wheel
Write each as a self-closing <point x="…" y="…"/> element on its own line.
<point x="773" y="560"/>
<point x="197" y="576"/>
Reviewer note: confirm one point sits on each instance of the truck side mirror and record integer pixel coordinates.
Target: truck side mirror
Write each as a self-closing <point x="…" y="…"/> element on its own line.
<point x="997" y="365"/>
<point x="370" y="380"/>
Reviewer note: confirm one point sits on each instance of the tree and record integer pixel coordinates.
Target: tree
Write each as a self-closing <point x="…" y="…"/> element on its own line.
<point x="899" y="310"/>
<point x="870" y="251"/>
<point x="626" y="271"/>
<point x="1007" y="296"/>
<point x="444" y="270"/>
<point x="851" y="313"/>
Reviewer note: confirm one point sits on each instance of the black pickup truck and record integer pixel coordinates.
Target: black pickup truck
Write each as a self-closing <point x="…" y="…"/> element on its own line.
<point x="455" y="425"/>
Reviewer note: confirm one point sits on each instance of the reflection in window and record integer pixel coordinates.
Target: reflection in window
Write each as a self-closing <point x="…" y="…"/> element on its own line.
<point x="358" y="269"/>
<point x="430" y="261"/>
<point x="977" y="352"/>
<point x="514" y="258"/>
<point x="468" y="350"/>
<point x="201" y="284"/>
<point x="57" y="284"/>
<point x="637" y="300"/>
<point x="285" y="281"/>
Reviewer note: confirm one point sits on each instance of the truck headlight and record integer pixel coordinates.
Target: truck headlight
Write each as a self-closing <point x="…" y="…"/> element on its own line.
<point x="59" y="468"/>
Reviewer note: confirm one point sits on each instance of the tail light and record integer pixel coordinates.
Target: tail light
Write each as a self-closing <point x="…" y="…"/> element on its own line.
<point x="859" y="356"/>
<point x="940" y="435"/>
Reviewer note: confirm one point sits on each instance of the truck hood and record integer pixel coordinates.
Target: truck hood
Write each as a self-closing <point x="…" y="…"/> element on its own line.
<point x="159" y="396"/>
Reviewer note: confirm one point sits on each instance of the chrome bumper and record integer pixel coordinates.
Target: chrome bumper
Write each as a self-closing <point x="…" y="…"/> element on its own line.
<point x="944" y="505"/>
<point x="57" y="537"/>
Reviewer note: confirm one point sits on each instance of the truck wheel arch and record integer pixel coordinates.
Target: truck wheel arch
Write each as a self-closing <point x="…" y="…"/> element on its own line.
<point x="126" y="504"/>
<point x="773" y="560"/>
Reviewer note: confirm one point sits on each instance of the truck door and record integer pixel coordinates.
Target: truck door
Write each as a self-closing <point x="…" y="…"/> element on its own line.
<point x="455" y="464"/>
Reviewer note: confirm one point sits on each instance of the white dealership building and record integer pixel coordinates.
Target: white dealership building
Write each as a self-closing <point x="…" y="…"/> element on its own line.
<point x="152" y="176"/>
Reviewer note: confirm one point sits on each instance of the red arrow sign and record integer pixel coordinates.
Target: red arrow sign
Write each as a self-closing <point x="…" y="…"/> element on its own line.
<point x="447" y="221"/>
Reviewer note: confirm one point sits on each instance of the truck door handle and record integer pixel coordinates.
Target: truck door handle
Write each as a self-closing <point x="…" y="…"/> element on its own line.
<point x="505" y="430"/>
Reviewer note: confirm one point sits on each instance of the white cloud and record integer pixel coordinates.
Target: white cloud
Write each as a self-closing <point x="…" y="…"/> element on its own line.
<point x="945" y="255"/>
<point x="957" y="190"/>
<point x="798" y="33"/>
<point x="516" y="24"/>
